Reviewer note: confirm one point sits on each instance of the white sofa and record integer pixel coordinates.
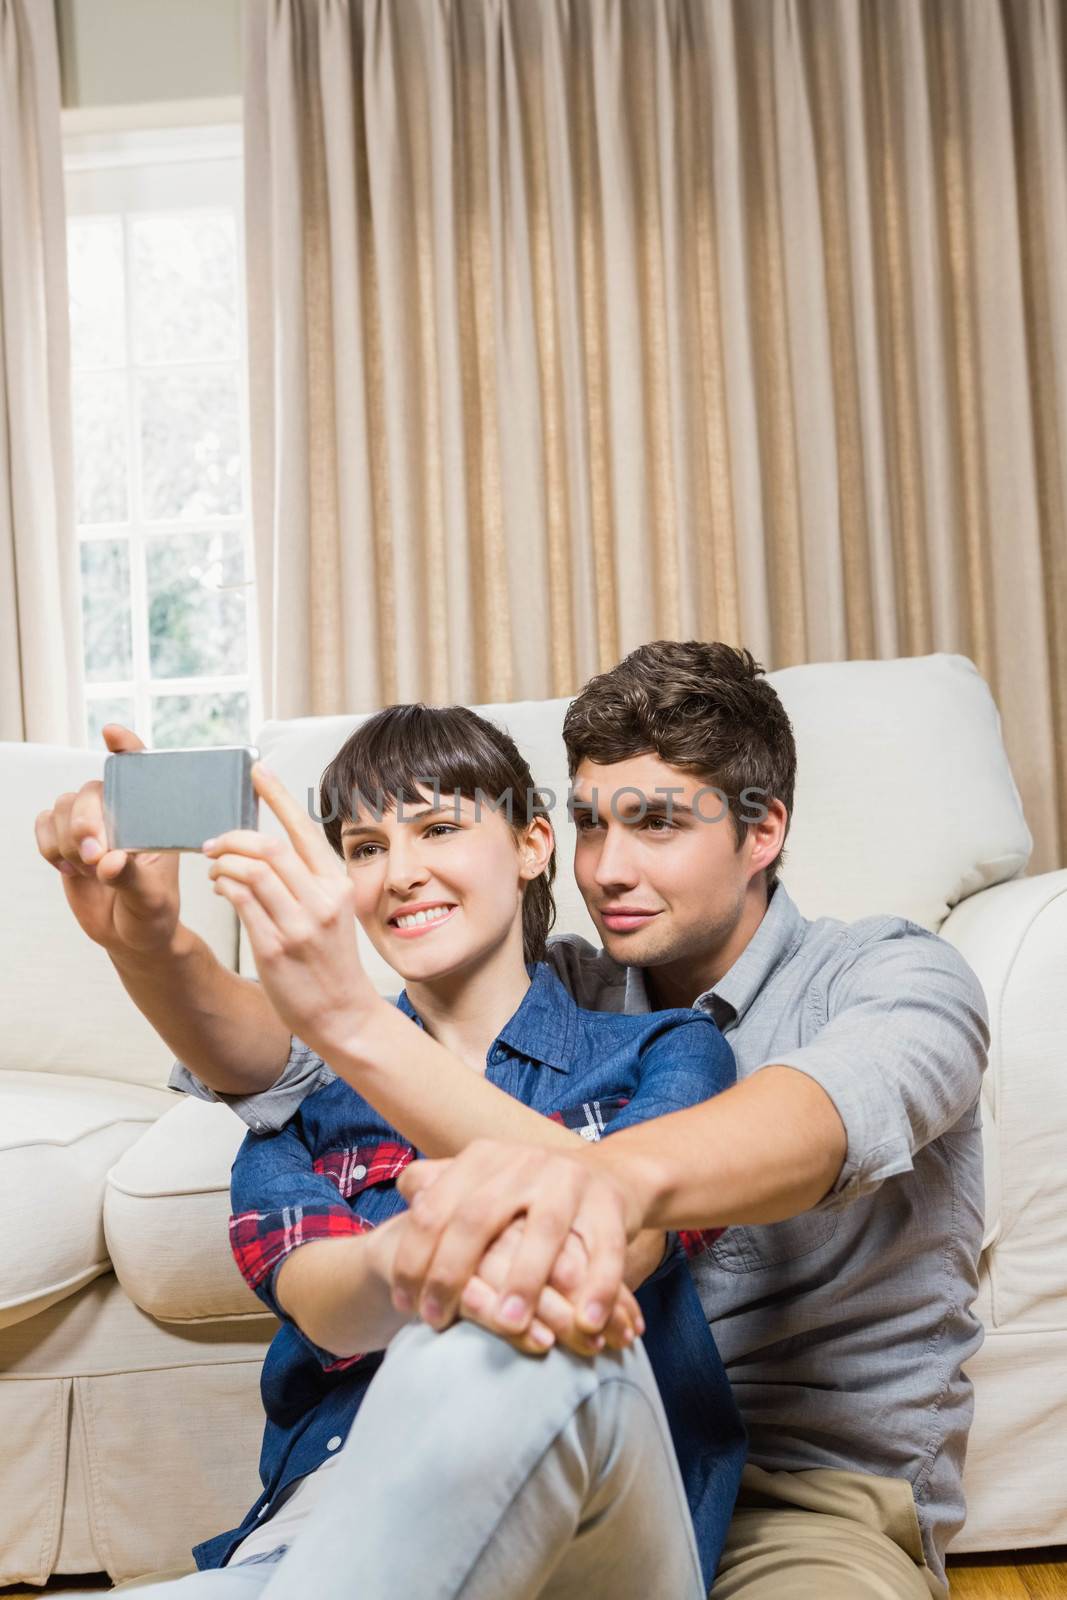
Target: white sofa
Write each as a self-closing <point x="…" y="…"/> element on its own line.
<point x="129" y="1345"/>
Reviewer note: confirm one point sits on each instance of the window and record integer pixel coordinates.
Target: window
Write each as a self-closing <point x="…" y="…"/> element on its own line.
<point x="160" y="433"/>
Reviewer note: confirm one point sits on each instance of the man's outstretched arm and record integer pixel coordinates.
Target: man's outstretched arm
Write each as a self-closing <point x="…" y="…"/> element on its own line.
<point x="899" y="1065"/>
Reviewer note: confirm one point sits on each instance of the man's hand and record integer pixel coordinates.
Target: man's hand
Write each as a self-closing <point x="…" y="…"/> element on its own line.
<point x="461" y="1207"/>
<point x="296" y="904"/>
<point x="128" y="903"/>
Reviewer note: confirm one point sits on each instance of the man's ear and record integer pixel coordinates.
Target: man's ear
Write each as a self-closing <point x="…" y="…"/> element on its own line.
<point x="766" y="836"/>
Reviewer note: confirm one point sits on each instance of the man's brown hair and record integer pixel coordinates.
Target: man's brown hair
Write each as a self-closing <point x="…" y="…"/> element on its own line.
<point x="705" y="708"/>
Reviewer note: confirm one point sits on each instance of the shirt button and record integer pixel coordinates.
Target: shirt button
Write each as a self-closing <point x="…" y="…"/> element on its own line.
<point x="359" y="1172"/>
<point x="334" y="1443"/>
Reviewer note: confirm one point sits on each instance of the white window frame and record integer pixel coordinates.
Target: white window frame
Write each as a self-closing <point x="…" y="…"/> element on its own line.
<point x="178" y="156"/>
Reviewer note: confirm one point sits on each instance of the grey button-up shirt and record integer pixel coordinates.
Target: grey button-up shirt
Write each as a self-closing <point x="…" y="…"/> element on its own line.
<point x="843" y="1330"/>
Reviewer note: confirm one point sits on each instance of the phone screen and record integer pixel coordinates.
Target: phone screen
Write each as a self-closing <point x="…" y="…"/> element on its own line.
<point x="175" y="799"/>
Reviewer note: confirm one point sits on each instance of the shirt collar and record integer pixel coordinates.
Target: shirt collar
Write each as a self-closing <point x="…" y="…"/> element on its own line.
<point x="544" y="1028"/>
<point x="777" y="936"/>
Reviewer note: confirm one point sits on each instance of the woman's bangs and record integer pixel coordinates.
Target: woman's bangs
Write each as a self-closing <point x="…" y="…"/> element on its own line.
<point x="407" y="752"/>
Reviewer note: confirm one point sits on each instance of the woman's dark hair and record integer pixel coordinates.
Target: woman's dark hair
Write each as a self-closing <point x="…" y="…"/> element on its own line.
<point x="448" y="750"/>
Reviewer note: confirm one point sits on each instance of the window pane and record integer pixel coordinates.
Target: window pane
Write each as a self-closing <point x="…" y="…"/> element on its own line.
<point x="105" y="567"/>
<point x="119" y="709"/>
<point x="100" y="439"/>
<point x="190" y="444"/>
<point x="196" y="628"/>
<point x="184" y="288"/>
<point x="97" y="319"/>
<point x="181" y="720"/>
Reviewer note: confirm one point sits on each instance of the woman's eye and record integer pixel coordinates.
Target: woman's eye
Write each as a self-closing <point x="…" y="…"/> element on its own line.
<point x="440" y="828"/>
<point x="360" y="852"/>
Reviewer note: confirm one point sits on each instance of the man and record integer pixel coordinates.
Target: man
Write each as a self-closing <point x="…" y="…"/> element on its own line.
<point x="845" y="1164"/>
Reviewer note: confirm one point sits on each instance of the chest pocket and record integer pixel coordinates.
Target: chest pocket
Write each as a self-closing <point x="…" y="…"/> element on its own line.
<point x="590" y="1119"/>
<point x="354" y="1168"/>
<point x="771" y="1244"/>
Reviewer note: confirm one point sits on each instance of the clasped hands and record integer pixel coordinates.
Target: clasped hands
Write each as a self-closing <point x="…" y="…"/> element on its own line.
<point x="526" y="1243"/>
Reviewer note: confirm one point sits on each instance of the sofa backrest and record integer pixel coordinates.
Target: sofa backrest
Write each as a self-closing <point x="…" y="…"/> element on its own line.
<point x="905" y="801"/>
<point x="62" y="1005"/>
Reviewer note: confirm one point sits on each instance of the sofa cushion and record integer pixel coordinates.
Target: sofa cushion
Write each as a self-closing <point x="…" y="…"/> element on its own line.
<point x="58" y="1137"/>
<point x="95" y="1029"/>
<point x="166" y="1217"/>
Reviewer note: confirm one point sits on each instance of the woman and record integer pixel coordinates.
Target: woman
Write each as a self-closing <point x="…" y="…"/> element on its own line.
<point x="448" y="863"/>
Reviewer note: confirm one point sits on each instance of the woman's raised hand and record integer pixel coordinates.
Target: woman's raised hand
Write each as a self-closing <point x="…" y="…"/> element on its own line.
<point x="295" y="902"/>
<point x="128" y="902"/>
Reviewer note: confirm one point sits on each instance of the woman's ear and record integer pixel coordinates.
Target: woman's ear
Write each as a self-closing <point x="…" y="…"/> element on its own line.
<point x="536" y="847"/>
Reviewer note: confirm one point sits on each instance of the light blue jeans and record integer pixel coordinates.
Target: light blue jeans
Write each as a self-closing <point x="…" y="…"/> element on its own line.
<point x="471" y="1470"/>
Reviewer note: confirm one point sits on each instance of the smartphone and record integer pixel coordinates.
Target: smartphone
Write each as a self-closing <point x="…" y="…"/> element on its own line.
<point x="175" y="799"/>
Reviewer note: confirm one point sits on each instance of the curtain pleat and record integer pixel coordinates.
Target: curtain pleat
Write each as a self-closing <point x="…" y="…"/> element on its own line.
<point x="577" y="323"/>
<point x="40" y="615"/>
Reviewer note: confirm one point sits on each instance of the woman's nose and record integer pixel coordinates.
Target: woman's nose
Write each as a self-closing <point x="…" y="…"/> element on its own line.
<point x="404" y="868"/>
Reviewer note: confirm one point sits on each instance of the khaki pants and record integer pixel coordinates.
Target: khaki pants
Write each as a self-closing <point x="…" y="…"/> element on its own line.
<point x="824" y="1535"/>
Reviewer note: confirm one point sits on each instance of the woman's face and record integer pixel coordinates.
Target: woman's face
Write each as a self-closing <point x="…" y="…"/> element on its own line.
<point x="438" y="888"/>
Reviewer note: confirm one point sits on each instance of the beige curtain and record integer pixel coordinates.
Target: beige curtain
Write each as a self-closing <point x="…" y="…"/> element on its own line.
<point x="40" y="617"/>
<point x="576" y="323"/>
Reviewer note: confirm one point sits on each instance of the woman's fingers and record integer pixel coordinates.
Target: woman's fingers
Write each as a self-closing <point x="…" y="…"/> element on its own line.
<point x="258" y="876"/>
<point x="307" y="837"/>
<point x="260" y="926"/>
<point x="476" y="1306"/>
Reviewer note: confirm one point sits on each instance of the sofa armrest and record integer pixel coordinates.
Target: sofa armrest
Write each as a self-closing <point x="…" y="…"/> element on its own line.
<point x="1015" y="937"/>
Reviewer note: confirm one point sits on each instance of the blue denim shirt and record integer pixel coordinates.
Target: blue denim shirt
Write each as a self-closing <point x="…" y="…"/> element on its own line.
<point x="332" y="1169"/>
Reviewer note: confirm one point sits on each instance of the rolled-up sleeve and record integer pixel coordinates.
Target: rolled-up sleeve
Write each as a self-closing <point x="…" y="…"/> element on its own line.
<point x="901" y="1055"/>
<point x="270" y="1109"/>
<point x="279" y="1202"/>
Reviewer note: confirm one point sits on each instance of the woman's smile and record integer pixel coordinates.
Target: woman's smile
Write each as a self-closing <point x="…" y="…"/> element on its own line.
<point x="421" y="917"/>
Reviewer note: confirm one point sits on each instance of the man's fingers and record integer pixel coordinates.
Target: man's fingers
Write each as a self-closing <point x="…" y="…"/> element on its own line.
<point x="600" y="1221"/>
<point x="420" y="1175"/>
<point x="548" y="1222"/>
<point x="571" y="1266"/>
<point x="452" y="1226"/>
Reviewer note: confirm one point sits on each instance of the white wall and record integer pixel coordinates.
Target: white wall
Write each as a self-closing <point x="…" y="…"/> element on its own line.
<point x="132" y="52"/>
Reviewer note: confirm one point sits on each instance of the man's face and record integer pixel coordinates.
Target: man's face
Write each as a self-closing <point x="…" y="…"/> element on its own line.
<point x="660" y="869"/>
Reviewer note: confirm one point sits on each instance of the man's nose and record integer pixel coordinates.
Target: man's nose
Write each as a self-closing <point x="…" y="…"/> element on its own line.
<point x="615" y="866"/>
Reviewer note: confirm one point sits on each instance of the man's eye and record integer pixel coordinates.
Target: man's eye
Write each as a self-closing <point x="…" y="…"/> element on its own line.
<point x="585" y="822"/>
<point x="660" y="825"/>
